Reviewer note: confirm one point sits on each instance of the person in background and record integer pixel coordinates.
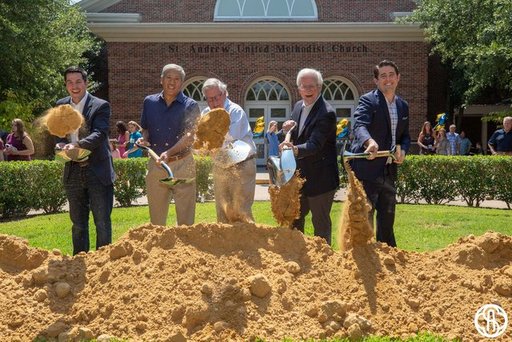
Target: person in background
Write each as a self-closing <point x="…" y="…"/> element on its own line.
<point x="442" y="144"/>
<point x="114" y="150"/>
<point x="272" y="139"/>
<point x="313" y="141"/>
<point x="168" y="121"/>
<point x="426" y="139"/>
<point x="123" y="136"/>
<point x="478" y="148"/>
<point x="89" y="184"/>
<point x="132" y="150"/>
<point x="465" y="144"/>
<point x="273" y="147"/>
<point x="2" y="147"/>
<point x="501" y="140"/>
<point x="234" y="186"/>
<point x="454" y="141"/>
<point x="381" y="123"/>
<point x="18" y="145"/>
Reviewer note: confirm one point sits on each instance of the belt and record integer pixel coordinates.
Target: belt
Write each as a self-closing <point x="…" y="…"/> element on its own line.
<point x="179" y="156"/>
<point x="81" y="164"/>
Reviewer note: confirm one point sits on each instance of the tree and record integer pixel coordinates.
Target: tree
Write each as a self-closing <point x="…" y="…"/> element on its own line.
<point x="39" y="39"/>
<point x="474" y="38"/>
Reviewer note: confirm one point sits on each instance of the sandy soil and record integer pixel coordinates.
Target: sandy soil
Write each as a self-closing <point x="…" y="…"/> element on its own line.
<point x="213" y="282"/>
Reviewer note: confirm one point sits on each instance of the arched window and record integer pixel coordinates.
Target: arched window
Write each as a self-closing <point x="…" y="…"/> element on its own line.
<point x="192" y="88"/>
<point x="342" y="95"/>
<point x="269" y="99"/>
<point x="265" y="10"/>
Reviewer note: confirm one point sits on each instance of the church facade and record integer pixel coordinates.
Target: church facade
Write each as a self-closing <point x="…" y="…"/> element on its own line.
<point x="257" y="47"/>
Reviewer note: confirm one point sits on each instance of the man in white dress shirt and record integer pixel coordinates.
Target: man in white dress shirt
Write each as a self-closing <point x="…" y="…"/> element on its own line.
<point x="233" y="185"/>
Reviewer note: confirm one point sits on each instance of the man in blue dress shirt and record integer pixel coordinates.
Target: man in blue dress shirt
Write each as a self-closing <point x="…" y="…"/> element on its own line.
<point x="168" y="120"/>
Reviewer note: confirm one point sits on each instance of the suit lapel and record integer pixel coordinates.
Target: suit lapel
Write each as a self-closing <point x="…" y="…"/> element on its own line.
<point x="312" y="114"/>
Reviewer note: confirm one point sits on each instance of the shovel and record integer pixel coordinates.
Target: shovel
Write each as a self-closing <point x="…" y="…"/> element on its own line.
<point x="346" y="155"/>
<point x="76" y="154"/>
<point x="234" y="153"/>
<point x="288" y="164"/>
<point x="169" y="180"/>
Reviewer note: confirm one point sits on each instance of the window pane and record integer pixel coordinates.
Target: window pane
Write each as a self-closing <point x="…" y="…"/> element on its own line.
<point x="278" y="8"/>
<point x="303" y="8"/>
<point x="349" y="95"/>
<point x="256" y="113"/>
<point x="343" y="112"/>
<point x="228" y="8"/>
<point x="253" y="8"/>
<point x="278" y="112"/>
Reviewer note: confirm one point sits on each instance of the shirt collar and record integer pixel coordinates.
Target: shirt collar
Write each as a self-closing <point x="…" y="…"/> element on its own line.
<point x="180" y="97"/>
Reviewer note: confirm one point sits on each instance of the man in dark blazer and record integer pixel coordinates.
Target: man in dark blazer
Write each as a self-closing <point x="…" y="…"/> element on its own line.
<point x="381" y="121"/>
<point x="88" y="184"/>
<point x="314" y="144"/>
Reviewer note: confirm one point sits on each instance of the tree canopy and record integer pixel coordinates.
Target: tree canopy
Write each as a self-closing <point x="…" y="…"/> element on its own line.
<point x="39" y="40"/>
<point x="474" y="37"/>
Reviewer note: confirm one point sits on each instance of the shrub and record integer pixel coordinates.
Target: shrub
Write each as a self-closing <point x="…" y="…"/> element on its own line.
<point x="204" y="180"/>
<point x="16" y="198"/>
<point x="130" y="180"/>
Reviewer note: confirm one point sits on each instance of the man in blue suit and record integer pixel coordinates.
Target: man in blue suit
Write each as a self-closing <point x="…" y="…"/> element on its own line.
<point x="381" y="121"/>
<point x="88" y="184"/>
<point x="314" y="145"/>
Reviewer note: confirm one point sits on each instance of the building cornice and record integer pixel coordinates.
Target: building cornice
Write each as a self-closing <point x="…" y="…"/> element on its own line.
<point x="255" y="32"/>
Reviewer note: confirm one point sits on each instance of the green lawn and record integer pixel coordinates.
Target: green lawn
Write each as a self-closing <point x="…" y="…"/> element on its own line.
<point x="417" y="227"/>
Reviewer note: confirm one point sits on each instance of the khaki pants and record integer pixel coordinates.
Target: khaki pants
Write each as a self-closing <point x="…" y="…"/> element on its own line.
<point x="234" y="191"/>
<point x="160" y="195"/>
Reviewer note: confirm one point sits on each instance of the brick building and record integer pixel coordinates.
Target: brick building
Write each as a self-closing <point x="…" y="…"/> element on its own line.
<point x="257" y="47"/>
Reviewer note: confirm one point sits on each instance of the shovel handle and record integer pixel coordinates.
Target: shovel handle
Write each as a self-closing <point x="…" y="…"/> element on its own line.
<point x="288" y="136"/>
<point x="155" y="156"/>
<point x="388" y="153"/>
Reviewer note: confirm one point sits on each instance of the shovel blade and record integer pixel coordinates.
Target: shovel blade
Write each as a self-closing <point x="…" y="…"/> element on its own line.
<point x="288" y="164"/>
<point x="277" y="175"/>
<point x="170" y="182"/>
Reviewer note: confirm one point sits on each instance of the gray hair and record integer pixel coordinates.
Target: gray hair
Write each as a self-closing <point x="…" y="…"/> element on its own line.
<point x="173" y="67"/>
<point x="310" y="72"/>
<point x="214" y="83"/>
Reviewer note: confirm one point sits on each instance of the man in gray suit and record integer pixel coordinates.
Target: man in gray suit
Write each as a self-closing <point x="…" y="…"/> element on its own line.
<point x="88" y="184"/>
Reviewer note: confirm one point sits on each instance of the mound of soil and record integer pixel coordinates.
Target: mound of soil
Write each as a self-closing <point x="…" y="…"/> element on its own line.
<point x="214" y="282"/>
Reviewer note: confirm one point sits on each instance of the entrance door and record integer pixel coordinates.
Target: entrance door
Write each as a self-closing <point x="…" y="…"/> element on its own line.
<point x="267" y="99"/>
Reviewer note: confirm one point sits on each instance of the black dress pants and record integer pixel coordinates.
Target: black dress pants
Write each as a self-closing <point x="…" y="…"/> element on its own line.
<point x="381" y="194"/>
<point x="320" y="207"/>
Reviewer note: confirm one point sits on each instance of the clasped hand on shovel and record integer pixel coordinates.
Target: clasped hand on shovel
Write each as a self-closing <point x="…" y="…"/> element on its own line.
<point x="169" y="180"/>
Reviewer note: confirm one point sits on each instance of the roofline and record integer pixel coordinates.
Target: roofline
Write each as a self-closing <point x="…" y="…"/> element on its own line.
<point x="255" y="31"/>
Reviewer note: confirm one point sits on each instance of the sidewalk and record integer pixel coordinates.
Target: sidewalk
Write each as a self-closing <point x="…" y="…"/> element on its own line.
<point x="261" y="194"/>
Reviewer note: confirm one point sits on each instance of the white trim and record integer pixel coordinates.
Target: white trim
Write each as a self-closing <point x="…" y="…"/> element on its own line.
<point x="113" y="17"/>
<point x="257" y="32"/>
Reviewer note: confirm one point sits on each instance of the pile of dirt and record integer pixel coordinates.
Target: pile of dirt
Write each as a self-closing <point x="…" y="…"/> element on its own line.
<point x="214" y="282"/>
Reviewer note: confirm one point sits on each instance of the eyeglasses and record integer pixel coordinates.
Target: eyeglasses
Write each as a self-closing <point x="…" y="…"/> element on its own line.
<point x="307" y="87"/>
<point x="214" y="98"/>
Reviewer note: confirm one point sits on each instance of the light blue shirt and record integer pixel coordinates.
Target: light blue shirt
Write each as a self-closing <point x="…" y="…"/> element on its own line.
<point x="239" y="128"/>
<point x="273" y="143"/>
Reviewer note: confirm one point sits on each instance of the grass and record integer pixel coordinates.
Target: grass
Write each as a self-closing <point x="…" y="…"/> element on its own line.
<point x="417" y="227"/>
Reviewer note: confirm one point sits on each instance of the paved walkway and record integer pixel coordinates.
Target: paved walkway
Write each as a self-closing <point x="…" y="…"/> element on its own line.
<point x="262" y="194"/>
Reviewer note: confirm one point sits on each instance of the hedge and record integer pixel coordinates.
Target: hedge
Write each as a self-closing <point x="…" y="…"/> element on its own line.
<point x="441" y="179"/>
<point x="37" y="185"/>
